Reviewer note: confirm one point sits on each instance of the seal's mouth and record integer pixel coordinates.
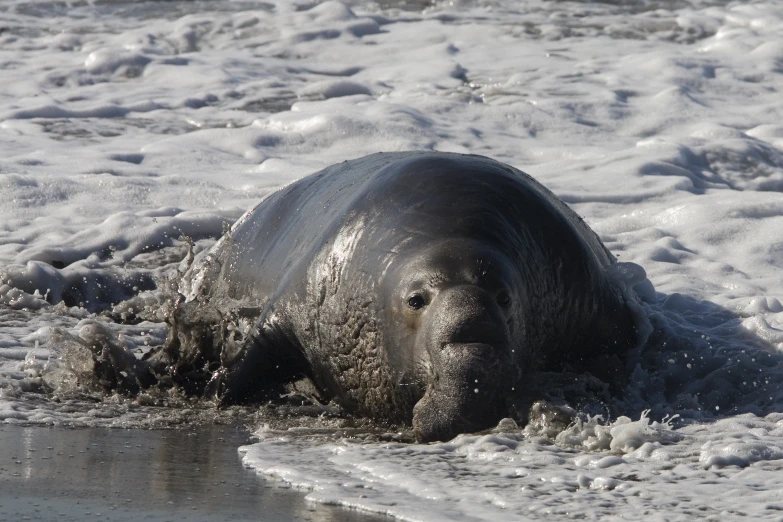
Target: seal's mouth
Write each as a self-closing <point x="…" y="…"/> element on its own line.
<point x="476" y="334"/>
<point x="467" y="396"/>
<point x="464" y="364"/>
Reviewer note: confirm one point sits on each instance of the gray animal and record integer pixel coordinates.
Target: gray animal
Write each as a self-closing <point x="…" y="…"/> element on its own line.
<point x="414" y="288"/>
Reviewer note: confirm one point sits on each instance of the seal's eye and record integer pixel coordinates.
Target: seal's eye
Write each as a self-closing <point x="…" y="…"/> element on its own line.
<point x="503" y="298"/>
<point x="416" y="301"/>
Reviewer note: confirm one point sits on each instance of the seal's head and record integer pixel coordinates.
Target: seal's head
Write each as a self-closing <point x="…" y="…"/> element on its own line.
<point x="457" y="317"/>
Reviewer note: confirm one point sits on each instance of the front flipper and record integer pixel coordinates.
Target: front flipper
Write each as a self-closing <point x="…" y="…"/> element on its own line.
<point x="233" y="356"/>
<point x="257" y="367"/>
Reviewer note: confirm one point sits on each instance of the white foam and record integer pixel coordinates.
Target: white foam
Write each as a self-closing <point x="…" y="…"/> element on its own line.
<point x="508" y="476"/>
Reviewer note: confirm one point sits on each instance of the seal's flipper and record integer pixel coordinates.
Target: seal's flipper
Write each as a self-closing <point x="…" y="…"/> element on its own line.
<point x="267" y="360"/>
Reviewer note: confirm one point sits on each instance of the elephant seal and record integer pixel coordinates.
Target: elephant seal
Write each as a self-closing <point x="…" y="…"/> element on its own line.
<point x="414" y="288"/>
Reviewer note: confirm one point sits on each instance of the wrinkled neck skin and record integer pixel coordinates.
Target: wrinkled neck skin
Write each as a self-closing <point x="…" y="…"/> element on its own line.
<point x="457" y="317"/>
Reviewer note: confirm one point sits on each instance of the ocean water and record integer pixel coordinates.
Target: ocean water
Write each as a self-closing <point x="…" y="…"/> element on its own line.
<point x="125" y="126"/>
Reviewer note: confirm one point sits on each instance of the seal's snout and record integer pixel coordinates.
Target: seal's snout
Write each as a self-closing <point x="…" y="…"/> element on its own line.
<point x="468" y="314"/>
<point x="470" y="350"/>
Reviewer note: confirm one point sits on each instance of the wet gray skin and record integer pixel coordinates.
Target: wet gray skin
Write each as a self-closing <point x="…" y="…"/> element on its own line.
<point x="413" y="288"/>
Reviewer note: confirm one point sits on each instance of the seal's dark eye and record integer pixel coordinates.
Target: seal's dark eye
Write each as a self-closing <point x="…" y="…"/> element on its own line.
<point x="416" y="302"/>
<point x="503" y="298"/>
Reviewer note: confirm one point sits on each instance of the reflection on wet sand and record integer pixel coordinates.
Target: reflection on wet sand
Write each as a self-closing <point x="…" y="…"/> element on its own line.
<point x="63" y="474"/>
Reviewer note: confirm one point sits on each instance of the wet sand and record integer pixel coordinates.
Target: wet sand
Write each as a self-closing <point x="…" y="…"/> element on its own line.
<point x="151" y="475"/>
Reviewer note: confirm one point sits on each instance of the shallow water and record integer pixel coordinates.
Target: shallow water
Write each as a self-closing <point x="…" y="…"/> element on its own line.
<point x="114" y="474"/>
<point x="127" y="125"/>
